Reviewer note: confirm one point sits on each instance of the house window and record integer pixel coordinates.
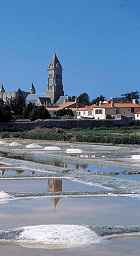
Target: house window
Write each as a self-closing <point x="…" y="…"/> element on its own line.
<point x="132" y="110"/>
<point x="98" y="111"/>
<point x="90" y="113"/>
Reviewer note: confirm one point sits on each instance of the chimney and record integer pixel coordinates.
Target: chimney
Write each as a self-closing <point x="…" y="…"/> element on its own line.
<point x="111" y="103"/>
<point x="134" y="101"/>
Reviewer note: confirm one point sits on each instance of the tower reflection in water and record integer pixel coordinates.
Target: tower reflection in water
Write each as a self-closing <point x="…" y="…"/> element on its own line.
<point x="55" y="186"/>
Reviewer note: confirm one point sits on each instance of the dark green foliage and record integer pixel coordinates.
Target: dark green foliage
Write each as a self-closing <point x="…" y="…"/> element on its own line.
<point x="83" y="98"/>
<point x="5" y="113"/>
<point x="18" y="104"/>
<point x="35" y="112"/>
<point x="108" y="116"/>
<point x="99" y="99"/>
<point x="95" y="135"/>
<point x="64" y="112"/>
<point x="72" y="98"/>
<point x="39" y="113"/>
<point x="131" y="95"/>
<point x="27" y="110"/>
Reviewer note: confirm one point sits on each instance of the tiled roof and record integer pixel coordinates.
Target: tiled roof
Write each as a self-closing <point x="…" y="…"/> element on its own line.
<point x="86" y="108"/>
<point x="126" y="105"/>
<point x="110" y="105"/>
<point x="62" y="106"/>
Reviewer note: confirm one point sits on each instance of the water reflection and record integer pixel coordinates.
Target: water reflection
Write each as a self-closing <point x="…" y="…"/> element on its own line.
<point x="19" y="172"/>
<point x="55" y="186"/>
<point x="2" y="172"/>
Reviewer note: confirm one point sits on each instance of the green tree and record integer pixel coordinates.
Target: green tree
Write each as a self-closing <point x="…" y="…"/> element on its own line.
<point x="5" y="113"/>
<point x="64" y="112"/>
<point x="18" y="103"/>
<point x="99" y="99"/>
<point x="39" y="113"/>
<point x="132" y="95"/>
<point x="27" y="110"/>
<point x="83" y="98"/>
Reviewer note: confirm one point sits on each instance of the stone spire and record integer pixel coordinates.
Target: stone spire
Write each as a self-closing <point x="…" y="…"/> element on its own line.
<point x="32" y="89"/>
<point x="2" y="89"/>
<point x="55" y="60"/>
<point x="55" y="83"/>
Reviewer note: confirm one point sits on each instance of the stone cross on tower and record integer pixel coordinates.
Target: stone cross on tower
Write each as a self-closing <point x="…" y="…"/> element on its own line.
<point x="55" y="84"/>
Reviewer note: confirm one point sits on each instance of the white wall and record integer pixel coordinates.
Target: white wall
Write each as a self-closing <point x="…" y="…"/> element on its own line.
<point x="99" y="113"/>
<point x="125" y="111"/>
<point x="85" y="114"/>
<point x="137" y="116"/>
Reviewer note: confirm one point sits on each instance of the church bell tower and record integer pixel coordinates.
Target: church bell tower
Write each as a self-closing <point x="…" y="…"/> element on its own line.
<point x="55" y="84"/>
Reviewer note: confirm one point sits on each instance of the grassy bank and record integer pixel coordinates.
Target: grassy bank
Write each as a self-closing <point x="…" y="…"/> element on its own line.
<point x="130" y="135"/>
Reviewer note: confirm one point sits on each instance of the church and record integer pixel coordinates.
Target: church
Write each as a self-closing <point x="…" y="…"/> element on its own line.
<point x="55" y="83"/>
<point x="54" y="94"/>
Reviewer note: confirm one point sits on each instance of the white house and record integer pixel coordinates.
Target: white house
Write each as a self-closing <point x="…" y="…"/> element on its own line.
<point x="101" y="112"/>
<point x="109" y="110"/>
<point x="85" y="112"/>
<point x="137" y="116"/>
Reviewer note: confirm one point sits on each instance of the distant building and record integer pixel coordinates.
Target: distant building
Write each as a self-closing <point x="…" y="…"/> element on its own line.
<point x="32" y="89"/>
<point x="55" y="90"/>
<point x="55" y="84"/>
<point x="37" y="100"/>
<point x="109" y="110"/>
<point x="34" y="99"/>
<point x="8" y="97"/>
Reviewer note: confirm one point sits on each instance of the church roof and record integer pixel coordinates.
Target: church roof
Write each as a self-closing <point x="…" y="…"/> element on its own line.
<point x="32" y="98"/>
<point x="61" y="100"/>
<point x="68" y="104"/>
<point x="2" y="88"/>
<point x="55" y="60"/>
<point x="44" y="100"/>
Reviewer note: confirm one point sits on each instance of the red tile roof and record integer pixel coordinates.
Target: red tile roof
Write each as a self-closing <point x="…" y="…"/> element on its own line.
<point x="110" y="105"/>
<point x="68" y="104"/>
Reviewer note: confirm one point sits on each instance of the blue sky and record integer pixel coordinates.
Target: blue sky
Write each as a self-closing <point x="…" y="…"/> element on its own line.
<point x="97" y="41"/>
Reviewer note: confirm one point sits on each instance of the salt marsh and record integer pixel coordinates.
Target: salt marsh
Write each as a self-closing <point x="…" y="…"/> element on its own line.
<point x="63" y="199"/>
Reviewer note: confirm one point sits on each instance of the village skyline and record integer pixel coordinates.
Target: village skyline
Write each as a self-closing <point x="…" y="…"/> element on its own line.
<point x="55" y="89"/>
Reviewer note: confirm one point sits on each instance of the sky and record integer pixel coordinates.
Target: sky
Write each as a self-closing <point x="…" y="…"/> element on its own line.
<point x="97" y="42"/>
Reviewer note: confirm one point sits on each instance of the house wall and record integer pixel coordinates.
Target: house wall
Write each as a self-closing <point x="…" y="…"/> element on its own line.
<point x="85" y="114"/>
<point x="137" y="116"/>
<point x="126" y="111"/>
<point x="99" y="113"/>
<point x="96" y="113"/>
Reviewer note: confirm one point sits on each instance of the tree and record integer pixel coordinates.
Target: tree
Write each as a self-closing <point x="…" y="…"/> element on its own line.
<point x="39" y="113"/>
<point x="27" y="110"/>
<point x="83" y="98"/>
<point x="18" y="103"/>
<point x="5" y="113"/>
<point x="132" y="95"/>
<point x="99" y="99"/>
<point x="64" y="112"/>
